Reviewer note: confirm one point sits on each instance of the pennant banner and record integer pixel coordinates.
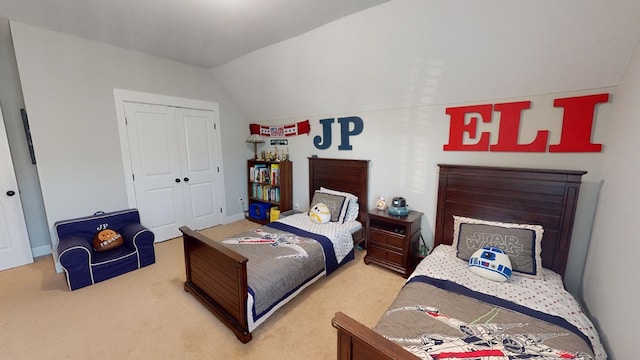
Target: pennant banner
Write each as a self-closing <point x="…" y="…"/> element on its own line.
<point x="299" y="128"/>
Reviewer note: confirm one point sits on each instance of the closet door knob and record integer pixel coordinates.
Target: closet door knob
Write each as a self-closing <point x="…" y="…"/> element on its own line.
<point x="186" y="179"/>
<point x="11" y="193"/>
<point x="177" y="180"/>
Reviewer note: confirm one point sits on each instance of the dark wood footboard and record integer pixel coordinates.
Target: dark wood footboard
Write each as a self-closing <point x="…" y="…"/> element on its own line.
<point x="356" y="341"/>
<point x="217" y="277"/>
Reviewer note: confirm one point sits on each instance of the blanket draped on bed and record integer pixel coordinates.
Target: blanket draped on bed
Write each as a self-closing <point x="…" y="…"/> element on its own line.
<point x="331" y="263"/>
<point x="291" y="256"/>
<point x="444" y="311"/>
<point x="494" y="300"/>
<point x="438" y="319"/>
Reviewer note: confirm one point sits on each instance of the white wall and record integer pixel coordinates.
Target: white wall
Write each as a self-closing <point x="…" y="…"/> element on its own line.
<point x="409" y="53"/>
<point x="383" y="65"/>
<point x="405" y="146"/>
<point x="610" y="287"/>
<point x="68" y="87"/>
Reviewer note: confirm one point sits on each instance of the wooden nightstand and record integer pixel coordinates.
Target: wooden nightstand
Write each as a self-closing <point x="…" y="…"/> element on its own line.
<point x="393" y="241"/>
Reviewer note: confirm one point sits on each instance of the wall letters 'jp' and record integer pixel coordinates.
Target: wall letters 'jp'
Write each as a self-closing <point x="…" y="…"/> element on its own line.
<point x="349" y="126"/>
<point x="575" y="136"/>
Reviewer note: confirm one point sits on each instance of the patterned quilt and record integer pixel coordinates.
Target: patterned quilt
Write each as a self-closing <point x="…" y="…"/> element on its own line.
<point x="282" y="259"/>
<point x="446" y="312"/>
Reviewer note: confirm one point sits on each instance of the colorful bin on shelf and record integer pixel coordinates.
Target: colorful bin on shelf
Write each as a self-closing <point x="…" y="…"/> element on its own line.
<point x="259" y="211"/>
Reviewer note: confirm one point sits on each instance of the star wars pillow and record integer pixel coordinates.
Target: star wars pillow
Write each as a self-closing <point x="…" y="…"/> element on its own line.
<point x="521" y="242"/>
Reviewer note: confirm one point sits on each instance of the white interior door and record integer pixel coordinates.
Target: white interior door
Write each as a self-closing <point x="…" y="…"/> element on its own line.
<point x="173" y="160"/>
<point x="156" y="168"/>
<point x="196" y="138"/>
<point x="15" y="249"/>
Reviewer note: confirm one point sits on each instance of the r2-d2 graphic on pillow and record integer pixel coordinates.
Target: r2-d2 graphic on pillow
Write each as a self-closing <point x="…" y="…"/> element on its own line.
<point x="491" y="263"/>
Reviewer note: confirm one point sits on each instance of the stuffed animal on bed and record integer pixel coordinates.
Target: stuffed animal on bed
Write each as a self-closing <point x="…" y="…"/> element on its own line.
<point x="320" y="213"/>
<point x="491" y="263"/>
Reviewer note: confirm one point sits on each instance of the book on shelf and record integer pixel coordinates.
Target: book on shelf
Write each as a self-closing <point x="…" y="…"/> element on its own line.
<point x="265" y="192"/>
<point x="275" y="174"/>
<point x="254" y="190"/>
<point x="262" y="173"/>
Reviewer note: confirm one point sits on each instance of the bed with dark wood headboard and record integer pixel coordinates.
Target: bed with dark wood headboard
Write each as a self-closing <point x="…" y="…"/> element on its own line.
<point x="217" y="275"/>
<point x="507" y="195"/>
<point x="512" y="195"/>
<point x="346" y="175"/>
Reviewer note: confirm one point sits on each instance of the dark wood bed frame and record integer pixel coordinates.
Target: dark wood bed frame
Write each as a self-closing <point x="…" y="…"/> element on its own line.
<point x="524" y="196"/>
<point x="217" y="276"/>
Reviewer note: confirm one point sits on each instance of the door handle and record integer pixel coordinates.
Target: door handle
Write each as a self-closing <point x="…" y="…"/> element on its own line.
<point x="11" y="193"/>
<point x="177" y="180"/>
<point x="186" y="179"/>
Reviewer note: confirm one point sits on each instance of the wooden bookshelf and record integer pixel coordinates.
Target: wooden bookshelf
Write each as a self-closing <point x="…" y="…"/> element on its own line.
<point x="269" y="183"/>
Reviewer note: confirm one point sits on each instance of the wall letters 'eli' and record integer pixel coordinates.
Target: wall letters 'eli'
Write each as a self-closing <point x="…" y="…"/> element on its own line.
<point x="577" y="124"/>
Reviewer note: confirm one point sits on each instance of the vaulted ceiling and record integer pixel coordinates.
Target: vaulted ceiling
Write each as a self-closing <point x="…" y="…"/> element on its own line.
<point x="383" y="53"/>
<point x="205" y="33"/>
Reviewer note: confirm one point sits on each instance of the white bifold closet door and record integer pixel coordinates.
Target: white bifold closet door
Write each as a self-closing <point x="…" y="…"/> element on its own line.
<point x="175" y="167"/>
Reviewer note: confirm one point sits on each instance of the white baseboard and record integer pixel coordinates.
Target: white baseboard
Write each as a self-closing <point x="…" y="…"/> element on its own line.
<point x="233" y="218"/>
<point x="44" y="251"/>
<point x="41" y="251"/>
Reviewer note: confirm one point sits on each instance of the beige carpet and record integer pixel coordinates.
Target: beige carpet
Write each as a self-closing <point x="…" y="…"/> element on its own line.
<point x="145" y="314"/>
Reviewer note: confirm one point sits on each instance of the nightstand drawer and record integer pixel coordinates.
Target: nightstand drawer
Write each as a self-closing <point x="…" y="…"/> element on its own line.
<point x="386" y="238"/>
<point x="384" y="254"/>
<point x="392" y="241"/>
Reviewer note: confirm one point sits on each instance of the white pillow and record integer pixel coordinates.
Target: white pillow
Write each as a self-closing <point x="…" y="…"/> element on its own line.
<point x="353" y="208"/>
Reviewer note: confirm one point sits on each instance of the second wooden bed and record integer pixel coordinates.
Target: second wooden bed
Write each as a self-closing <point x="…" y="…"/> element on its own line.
<point x="508" y="195"/>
